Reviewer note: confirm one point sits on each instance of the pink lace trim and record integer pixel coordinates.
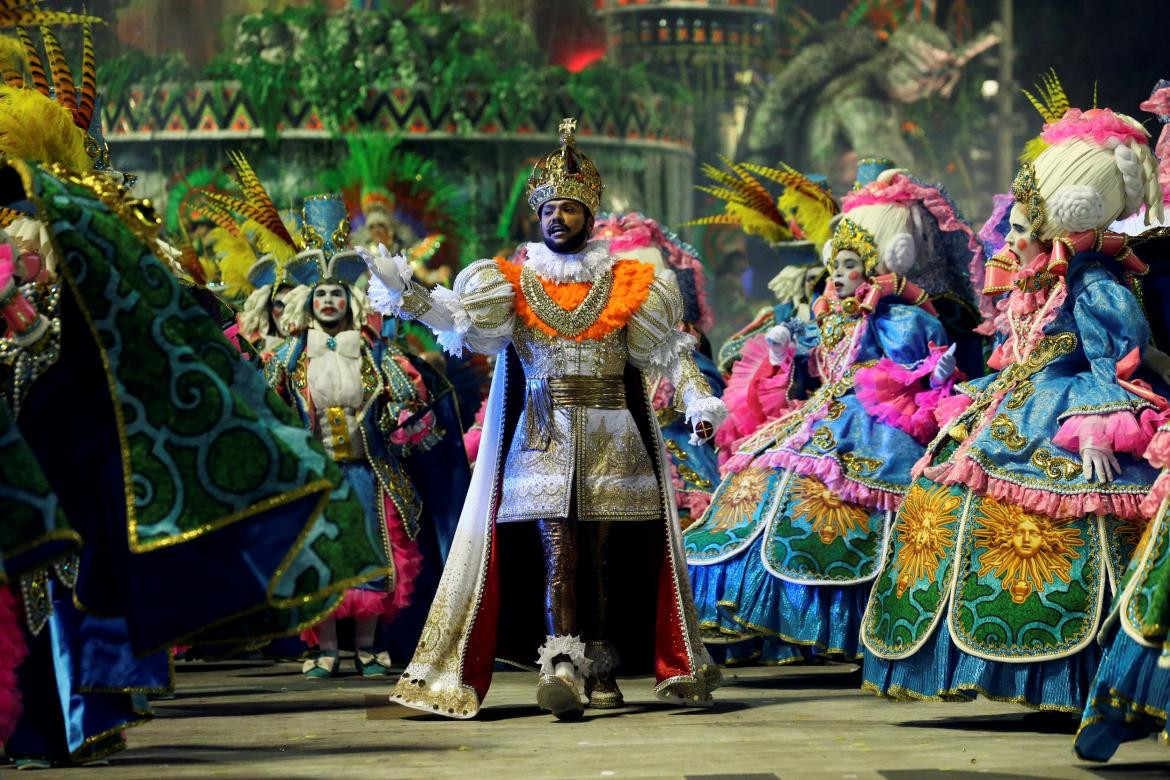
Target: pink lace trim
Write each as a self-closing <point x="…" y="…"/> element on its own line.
<point x="897" y="396"/>
<point x="12" y="651"/>
<point x="827" y="470"/>
<point x="950" y="407"/>
<point x="965" y="471"/>
<point x="1097" y="125"/>
<point x="1120" y="431"/>
<point x="1158" y="450"/>
<point x="736" y="463"/>
<point x="1153" y="501"/>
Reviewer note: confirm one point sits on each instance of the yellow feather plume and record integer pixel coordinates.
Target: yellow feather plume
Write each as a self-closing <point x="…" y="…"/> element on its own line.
<point x="232" y="256"/>
<point x="12" y="55"/>
<point x="35" y="127"/>
<point x="1050" y="99"/>
<point x="1032" y="149"/>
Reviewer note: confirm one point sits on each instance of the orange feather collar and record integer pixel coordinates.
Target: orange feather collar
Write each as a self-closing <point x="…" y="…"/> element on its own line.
<point x="631" y="287"/>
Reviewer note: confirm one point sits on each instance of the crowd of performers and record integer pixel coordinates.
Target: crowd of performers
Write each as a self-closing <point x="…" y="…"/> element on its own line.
<point x="940" y="455"/>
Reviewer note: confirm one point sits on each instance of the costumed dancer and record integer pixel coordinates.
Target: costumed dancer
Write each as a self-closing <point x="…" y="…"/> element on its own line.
<point x="568" y="551"/>
<point x="997" y="573"/>
<point x="796" y="223"/>
<point x="367" y="404"/>
<point x="794" y="552"/>
<point x="246" y="259"/>
<point x="694" y="469"/>
<point x="1130" y="695"/>
<point x="764" y="381"/>
<point x="107" y="535"/>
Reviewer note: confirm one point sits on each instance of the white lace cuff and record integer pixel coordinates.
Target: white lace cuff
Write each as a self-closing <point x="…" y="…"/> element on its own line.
<point x="387" y="298"/>
<point x="570" y="646"/>
<point x="452" y="339"/>
<point x="707" y="409"/>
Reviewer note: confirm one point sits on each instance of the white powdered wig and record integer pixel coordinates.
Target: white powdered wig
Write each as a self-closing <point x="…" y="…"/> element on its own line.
<point x="1087" y="186"/>
<point x="254" y="316"/>
<point x="892" y="227"/>
<point x="298" y="312"/>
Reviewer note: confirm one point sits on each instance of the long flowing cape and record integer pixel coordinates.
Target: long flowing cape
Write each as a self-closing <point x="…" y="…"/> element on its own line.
<point x="490" y="602"/>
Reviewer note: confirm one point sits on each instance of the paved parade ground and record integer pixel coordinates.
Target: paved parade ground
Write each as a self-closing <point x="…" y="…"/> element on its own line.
<point x="263" y="719"/>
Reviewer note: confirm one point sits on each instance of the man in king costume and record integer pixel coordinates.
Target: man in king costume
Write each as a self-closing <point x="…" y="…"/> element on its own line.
<point x="570" y="535"/>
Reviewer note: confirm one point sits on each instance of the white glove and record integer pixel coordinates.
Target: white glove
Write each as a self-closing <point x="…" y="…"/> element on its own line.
<point x="393" y="271"/>
<point x="1098" y="463"/>
<point x="777" y="338"/>
<point x="943" y="368"/>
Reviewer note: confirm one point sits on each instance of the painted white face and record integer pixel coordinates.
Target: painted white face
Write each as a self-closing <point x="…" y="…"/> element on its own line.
<point x="278" y="310"/>
<point x="1019" y="238"/>
<point x="329" y="304"/>
<point x="848" y="274"/>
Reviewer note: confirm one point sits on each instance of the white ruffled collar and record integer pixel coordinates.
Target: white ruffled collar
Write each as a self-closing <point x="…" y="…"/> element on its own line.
<point x="583" y="266"/>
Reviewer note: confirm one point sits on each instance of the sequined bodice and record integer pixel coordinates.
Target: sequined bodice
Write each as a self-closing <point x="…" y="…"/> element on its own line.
<point x="544" y="356"/>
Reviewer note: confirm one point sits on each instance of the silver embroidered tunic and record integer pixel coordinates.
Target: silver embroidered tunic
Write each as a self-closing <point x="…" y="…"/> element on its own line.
<point x="593" y="450"/>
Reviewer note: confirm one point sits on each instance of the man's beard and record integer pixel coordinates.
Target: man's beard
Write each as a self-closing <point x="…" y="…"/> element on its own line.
<point x="569" y="243"/>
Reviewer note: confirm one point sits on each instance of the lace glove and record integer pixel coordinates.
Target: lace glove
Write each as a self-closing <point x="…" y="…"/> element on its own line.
<point x="943" y="368"/>
<point x="777" y="338"/>
<point x="391" y="273"/>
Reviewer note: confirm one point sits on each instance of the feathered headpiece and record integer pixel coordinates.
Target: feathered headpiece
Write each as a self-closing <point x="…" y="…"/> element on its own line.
<point x="802" y="210"/>
<point x="44" y="113"/>
<point x="405" y="192"/>
<point x="247" y="223"/>
<point x="327" y="257"/>
<point x="565" y="173"/>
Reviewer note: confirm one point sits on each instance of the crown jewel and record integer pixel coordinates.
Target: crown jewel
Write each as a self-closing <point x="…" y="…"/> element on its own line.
<point x="1026" y="191"/>
<point x="565" y="173"/>
<point x="850" y="236"/>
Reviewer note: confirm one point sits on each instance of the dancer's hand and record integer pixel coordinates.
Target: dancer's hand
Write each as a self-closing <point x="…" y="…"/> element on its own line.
<point x="777" y="338"/>
<point x="1098" y="463"/>
<point x="943" y="368"/>
<point x="392" y="270"/>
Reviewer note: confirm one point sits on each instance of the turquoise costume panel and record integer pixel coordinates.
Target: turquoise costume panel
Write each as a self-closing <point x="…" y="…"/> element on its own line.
<point x="998" y="578"/>
<point x="781" y="554"/>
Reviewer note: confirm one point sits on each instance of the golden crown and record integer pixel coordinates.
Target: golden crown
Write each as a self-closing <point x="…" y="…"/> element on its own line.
<point x="853" y="237"/>
<point x="565" y="173"/>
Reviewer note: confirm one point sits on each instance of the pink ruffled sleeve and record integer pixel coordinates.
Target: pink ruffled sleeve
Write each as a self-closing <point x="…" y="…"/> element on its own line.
<point x="756" y="393"/>
<point x="1120" y="431"/>
<point x="950" y="407"/>
<point x="902" y="397"/>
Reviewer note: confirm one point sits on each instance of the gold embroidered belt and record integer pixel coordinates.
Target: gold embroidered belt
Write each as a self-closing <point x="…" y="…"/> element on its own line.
<point x="591" y="391"/>
<point x="543" y="395"/>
